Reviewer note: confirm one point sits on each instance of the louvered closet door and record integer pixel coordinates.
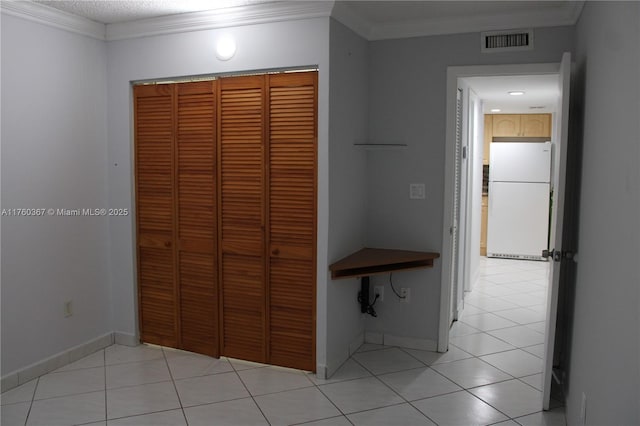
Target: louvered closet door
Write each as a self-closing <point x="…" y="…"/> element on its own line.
<point x="241" y="217"/>
<point x="292" y="219"/>
<point x="154" y="139"/>
<point x="196" y="210"/>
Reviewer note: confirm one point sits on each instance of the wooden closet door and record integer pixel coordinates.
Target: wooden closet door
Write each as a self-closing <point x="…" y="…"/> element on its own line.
<point x="292" y="148"/>
<point x="241" y="217"/>
<point x="196" y="211"/>
<point x="154" y="158"/>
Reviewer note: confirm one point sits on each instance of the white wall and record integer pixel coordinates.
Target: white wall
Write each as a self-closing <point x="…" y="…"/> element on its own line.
<point x="605" y="355"/>
<point x="407" y="104"/>
<point x="348" y="104"/>
<point x="53" y="156"/>
<point x="265" y="46"/>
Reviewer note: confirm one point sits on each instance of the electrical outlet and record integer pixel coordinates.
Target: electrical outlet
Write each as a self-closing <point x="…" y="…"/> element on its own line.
<point x="68" y="308"/>
<point x="379" y="291"/>
<point x="416" y="191"/>
<point x="583" y="410"/>
<point x="405" y="294"/>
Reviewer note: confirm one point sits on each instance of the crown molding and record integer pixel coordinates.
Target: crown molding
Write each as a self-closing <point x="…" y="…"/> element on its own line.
<point x="231" y="17"/>
<point x="42" y="14"/>
<point x="568" y="15"/>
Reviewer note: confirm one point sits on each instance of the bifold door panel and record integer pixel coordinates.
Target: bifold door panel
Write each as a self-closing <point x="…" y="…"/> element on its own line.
<point x="226" y="177"/>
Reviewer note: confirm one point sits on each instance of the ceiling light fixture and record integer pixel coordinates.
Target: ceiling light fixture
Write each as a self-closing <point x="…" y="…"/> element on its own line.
<point x="225" y="47"/>
<point x="516" y="93"/>
<point x="496" y="110"/>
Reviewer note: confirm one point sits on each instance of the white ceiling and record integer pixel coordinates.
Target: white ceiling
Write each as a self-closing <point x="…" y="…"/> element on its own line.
<point x="541" y="93"/>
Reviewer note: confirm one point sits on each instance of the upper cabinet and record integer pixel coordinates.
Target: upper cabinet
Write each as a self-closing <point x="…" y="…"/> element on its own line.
<point x="534" y="125"/>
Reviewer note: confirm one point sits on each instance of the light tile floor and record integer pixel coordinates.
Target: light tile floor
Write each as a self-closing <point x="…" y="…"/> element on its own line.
<point x="491" y="375"/>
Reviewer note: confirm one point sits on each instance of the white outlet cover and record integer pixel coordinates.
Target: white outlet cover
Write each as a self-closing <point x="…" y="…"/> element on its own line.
<point x="416" y="191"/>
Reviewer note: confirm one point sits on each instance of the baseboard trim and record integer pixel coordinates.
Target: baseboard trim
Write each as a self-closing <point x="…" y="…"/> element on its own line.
<point x="125" y="339"/>
<point x="54" y="362"/>
<point x="400" y="341"/>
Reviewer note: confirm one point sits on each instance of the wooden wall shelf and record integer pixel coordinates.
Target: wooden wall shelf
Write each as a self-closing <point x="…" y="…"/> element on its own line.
<point x="372" y="261"/>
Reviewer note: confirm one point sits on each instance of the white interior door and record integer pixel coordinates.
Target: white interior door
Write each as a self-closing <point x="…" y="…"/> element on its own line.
<point x="557" y="225"/>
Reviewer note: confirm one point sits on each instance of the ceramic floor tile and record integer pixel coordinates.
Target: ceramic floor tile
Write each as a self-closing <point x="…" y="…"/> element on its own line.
<point x="492" y="304"/>
<point x="541" y="309"/>
<point x="333" y="421"/>
<point x="480" y="344"/>
<point x="96" y="359"/>
<point x="431" y="358"/>
<point x="487" y="321"/>
<point x="526" y="299"/>
<point x="14" y="414"/>
<point x="261" y="381"/>
<point x="163" y="418"/>
<point x="544" y="418"/>
<point x="185" y="364"/>
<point x="508" y="277"/>
<point x="386" y="360"/>
<point x="537" y="350"/>
<point x="518" y="363"/>
<point x="471" y="372"/>
<point x="419" y="383"/>
<point x="513" y="398"/>
<point x="296" y="406"/>
<point x="460" y="408"/>
<point x="117" y="354"/>
<point x="137" y="373"/>
<point x="540" y="327"/>
<point x="23" y="393"/>
<point x="523" y="288"/>
<point x="68" y="410"/>
<point x="506" y="423"/>
<point x="396" y="415"/>
<point x="522" y="315"/>
<point x="239" y="364"/>
<point x="534" y="380"/>
<point x="209" y="389"/>
<point x="360" y="394"/>
<point x="518" y="336"/>
<point x="497" y="290"/>
<point x="460" y="328"/>
<point x="366" y="347"/>
<point x="472" y="310"/>
<point x="348" y="371"/>
<point x="70" y="383"/>
<point x="143" y="399"/>
<point x="239" y="412"/>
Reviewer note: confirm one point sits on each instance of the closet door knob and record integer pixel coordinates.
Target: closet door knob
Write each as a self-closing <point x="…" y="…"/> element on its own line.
<point x="275" y="252"/>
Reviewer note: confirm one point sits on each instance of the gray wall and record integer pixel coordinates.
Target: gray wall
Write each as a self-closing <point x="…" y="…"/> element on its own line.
<point x="53" y="156"/>
<point x="407" y="104"/>
<point x="264" y="46"/>
<point x="348" y="119"/>
<point x="605" y="357"/>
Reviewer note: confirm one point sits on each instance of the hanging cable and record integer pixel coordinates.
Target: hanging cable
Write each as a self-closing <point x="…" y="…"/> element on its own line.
<point x="392" y="288"/>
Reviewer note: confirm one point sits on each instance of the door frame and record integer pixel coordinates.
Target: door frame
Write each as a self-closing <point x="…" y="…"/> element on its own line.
<point x="454" y="74"/>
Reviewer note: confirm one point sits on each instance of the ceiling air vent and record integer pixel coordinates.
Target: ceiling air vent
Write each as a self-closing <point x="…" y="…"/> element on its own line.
<point x="506" y="41"/>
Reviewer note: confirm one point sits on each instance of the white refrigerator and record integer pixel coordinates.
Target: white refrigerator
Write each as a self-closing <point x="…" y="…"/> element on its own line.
<point x="519" y="197"/>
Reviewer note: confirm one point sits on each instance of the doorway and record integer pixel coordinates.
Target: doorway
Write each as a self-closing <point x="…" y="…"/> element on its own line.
<point x="451" y="279"/>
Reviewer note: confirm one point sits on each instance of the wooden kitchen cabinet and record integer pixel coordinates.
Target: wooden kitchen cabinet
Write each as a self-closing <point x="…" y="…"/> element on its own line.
<point x="488" y="134"/>
<point x="534" y="125"/>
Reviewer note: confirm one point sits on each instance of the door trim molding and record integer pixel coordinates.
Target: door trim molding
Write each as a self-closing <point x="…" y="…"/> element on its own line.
<point x="453" y="74"/>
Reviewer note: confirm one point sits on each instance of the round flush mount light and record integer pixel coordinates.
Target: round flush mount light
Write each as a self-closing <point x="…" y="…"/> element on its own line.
<point x="496" y="110"/>
<point x="516" y="93"/>
<point x="225" y="47"/>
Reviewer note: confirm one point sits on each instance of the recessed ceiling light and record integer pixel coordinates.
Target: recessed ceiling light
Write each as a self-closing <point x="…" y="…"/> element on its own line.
<point x="496" y="110"/>
<point x="516" y="93"/>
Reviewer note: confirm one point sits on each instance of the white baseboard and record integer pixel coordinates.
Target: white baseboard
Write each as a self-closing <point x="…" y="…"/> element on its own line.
<point x="403" y="342"/>
<point x="54" y="362"/>
<point x="125" y="339"/>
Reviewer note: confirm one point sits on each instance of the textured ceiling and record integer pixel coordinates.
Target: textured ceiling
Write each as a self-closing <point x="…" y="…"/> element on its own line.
<point x="116" y="11"/>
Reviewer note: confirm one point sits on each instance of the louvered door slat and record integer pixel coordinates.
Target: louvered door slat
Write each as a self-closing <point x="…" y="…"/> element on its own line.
<point x="241" y="161"/>
<point x="196" y="214"/>
<point x="292" y="219"/>
<point x="153" y="108"/>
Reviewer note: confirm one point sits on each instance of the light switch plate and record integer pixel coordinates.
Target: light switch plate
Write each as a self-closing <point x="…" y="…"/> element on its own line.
<point x="416" y="191"/>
